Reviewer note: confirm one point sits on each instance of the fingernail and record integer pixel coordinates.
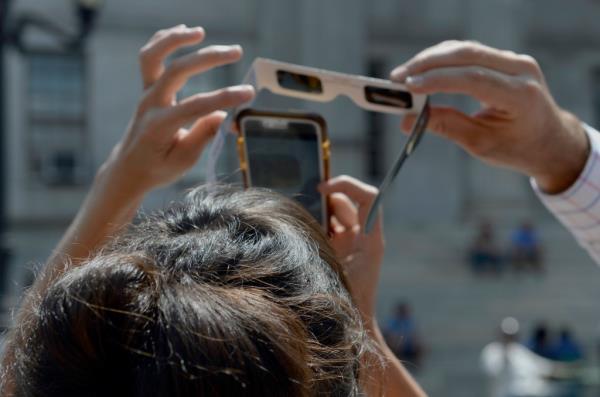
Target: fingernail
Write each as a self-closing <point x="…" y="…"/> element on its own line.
<point x="223" y="49"/>
<point x="236" y="49"/>
<point x="399" y="74"/>
<point x="415" y="81"/>
<point x="245" y="89"/>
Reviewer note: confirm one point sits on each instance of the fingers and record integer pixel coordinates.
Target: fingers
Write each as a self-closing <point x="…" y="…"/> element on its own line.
<point x="161" y="45"/>
<point x="360" y="193"/>
<point x="189" y="144"/>
<point x="202" y="104"/>
<point x="468" y="53"/>
<point x="344" y="212"/>
<point x="467" y="131"/>
<point x="162" y="123"/>
<point x="179" y="71"/>
<point x="488" y="86"/>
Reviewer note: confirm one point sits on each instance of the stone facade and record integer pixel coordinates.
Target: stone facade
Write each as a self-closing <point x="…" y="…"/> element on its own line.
<point x="440" y="183"/>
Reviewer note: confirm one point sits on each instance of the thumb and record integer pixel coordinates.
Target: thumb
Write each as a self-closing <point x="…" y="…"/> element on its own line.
<point x="456" y="126"/>
<point x="190" y="144"/>
<point x="205" y="128"/>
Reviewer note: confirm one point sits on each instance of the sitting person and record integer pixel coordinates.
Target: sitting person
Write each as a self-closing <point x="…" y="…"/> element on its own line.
<point x="401" y="335"/>
<point x="567" y="348"/>
<point x="540" y="342"/>
<point x="526" y="252"/>
<point x="484" y="254"/>
<point x="513" y="370"/>
<point x="227" y="293"/>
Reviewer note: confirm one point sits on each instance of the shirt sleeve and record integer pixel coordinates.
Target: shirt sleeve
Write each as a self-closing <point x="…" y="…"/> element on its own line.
<point x="578" y="208"/>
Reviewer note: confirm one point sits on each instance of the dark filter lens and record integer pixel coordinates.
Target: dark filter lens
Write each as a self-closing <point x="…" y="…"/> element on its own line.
<point x="388" y="97"/>
<point x="299" y="82"/>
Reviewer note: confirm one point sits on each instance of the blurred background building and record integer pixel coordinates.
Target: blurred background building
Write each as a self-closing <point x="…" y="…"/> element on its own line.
<point x="66" y="103"/>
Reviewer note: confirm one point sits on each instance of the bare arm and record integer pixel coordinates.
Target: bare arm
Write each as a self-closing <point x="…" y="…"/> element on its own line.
<point x="392" y="379"/>
<point x="362" y="257"/>
<point x="155" y="151"/>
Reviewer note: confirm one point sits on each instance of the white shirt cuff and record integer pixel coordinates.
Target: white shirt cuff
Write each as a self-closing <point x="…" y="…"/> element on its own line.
<point x="578" y="208"/>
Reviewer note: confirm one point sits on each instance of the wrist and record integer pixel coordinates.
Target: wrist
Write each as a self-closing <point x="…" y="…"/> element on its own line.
<point x="112" y="179"/>
<point x="564" y="163"/>
<point x="113" y="192"/>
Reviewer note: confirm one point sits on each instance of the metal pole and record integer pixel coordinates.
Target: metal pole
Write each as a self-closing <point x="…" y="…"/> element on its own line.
<point x="4" y="255"/>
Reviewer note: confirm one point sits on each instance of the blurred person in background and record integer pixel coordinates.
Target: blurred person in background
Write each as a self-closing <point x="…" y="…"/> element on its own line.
<point x="541" y="342"/>
<point x="566" y="348"/>
<point x="484" y="255"/>
<point x="519" y="126"/>
<point x="402" y="336"/>
<point x="525" y="249"/>
<point x="512" y="369"/>
<point x="226" y="293"/>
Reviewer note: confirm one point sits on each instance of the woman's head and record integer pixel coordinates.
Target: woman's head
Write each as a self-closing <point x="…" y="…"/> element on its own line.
<point x="228" y="292"/>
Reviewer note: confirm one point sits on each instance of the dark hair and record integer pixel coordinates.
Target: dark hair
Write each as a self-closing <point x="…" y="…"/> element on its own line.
<point x="227" y="293"/>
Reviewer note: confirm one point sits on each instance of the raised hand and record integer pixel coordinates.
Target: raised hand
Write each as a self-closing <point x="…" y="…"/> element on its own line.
<point x="157" y="147"/>
<point x="361" y="254"/>
<point x="519" y="125"/>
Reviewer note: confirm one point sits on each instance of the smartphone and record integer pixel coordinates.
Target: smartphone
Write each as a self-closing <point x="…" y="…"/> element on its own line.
<point x="287" y="152"/>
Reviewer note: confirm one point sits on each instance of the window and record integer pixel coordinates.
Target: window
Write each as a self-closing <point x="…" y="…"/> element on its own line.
<point x="58" y="152"/>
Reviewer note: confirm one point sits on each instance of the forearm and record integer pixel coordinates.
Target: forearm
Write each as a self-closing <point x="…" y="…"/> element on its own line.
<point x="386" y="376"/>
<point x="110" y="205"/>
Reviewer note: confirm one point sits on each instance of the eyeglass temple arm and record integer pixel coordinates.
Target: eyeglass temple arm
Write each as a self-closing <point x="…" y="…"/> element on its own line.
<point x="413" y="141"/>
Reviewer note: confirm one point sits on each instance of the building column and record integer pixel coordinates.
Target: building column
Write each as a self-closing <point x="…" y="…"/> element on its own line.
<point x="325" y="34"/>
<point x="492" y="192"/>
<point x="334" y="35"/>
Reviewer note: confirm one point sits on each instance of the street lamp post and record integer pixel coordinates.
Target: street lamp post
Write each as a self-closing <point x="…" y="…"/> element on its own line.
<point x="87" y="12"/>
<point x="4" y="11"/>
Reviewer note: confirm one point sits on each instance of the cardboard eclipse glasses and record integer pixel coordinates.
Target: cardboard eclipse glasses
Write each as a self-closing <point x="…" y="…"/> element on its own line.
<point x="320" y="85"/>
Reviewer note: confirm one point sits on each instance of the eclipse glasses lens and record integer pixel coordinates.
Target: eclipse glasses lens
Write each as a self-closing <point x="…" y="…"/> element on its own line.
<point x="299" y="82"/>
<point x="388" y="97"/>
<point x="376" y="95"/>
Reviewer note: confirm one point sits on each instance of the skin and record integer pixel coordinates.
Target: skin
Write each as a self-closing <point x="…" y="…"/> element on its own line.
<point x="519" y="125"/>
<point x="362" y="256"/>
<point x="157" y="149"/>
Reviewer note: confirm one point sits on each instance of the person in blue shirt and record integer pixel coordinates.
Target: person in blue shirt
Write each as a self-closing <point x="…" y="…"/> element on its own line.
<point x="567" y="349"/>
<point x="540" y="342"/>
<point x="402" y="336"/>
<point x="526" y="252"/>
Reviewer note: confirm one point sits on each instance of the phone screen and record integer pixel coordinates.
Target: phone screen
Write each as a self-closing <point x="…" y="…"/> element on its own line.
<point x="285" y="156"/>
